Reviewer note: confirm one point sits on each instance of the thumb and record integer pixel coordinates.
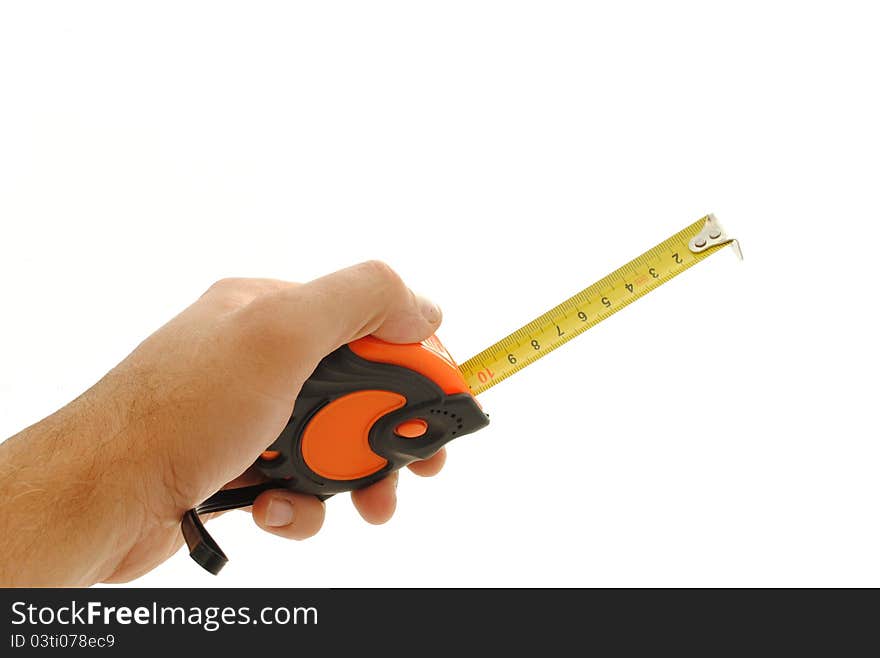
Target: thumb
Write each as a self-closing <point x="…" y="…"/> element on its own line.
<point x="369" y="298"/>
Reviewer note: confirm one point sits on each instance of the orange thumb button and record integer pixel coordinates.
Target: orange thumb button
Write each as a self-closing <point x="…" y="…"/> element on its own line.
<point x="411" y="429"/>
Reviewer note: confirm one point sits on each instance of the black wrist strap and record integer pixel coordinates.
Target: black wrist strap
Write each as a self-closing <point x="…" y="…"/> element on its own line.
<point x="202" y="547"/>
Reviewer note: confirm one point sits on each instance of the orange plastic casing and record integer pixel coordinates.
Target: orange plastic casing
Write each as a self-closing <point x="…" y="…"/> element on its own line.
<point x="352" y="392"/>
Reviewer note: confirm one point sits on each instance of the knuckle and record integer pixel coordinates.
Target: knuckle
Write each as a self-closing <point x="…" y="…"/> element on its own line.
<point x="228" y="294"/>
<point x="225" y="285"/>
<point x="258" y="319"/>
<point x="232" y="293"/>
<point x="261" y="325"/>
<point x="382" y="271"/>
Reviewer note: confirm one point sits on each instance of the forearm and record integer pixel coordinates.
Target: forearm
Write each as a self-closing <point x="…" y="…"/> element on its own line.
<point x="63" y="519"/>
<point x="96" y="491"/>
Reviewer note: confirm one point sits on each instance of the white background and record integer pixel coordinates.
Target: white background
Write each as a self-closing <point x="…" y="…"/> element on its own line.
<point x="501" y="156"/>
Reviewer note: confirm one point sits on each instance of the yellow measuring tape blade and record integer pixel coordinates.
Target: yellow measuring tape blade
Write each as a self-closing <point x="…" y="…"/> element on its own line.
<point x="592" y="305"/>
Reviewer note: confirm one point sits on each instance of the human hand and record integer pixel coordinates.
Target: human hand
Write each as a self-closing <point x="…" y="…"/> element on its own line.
<point x="96" y="491"/>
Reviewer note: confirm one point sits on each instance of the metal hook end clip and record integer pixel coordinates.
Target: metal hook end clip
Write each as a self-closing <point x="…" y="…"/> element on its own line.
<point x="713" y="234"/>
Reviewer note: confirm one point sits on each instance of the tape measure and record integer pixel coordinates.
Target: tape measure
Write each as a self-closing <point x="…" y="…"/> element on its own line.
<point x="596" y="303"/>
<point x="372" y="407"/>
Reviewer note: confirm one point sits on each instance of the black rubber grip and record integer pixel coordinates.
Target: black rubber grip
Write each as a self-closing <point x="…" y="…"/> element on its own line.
<point x="339" y="374"/>
<point x="344" y="372"/>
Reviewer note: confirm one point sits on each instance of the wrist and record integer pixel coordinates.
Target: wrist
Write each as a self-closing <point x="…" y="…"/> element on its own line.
<point x="73" y="521"/>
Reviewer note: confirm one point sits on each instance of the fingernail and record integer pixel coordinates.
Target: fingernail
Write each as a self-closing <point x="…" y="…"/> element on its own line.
<point x="430" y="310"/>
<point x="279" y="513"/>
